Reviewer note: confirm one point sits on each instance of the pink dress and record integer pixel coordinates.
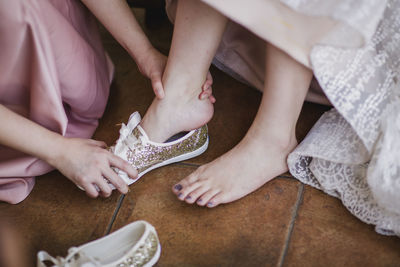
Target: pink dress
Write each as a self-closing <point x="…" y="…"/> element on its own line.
<point x="55" y="72"/>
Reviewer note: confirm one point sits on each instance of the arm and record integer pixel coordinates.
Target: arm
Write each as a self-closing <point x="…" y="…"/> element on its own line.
<point x="117" y="17"/>
<point x="84" y="161"/>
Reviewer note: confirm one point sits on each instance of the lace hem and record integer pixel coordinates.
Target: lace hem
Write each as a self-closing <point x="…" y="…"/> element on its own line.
<point x="346" y="180"/>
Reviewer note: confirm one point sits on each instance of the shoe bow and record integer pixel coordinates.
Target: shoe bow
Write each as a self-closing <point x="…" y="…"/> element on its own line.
<point x="125" y="137"/>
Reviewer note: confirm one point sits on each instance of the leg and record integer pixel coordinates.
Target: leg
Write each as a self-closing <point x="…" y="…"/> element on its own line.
<point x="197" y="34"/>
<point x="269" y="140"/>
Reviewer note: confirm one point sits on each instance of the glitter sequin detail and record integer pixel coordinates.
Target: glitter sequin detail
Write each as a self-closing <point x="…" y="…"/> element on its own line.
<point x="144" y="155"/>
<point x="134" y="146"/>
<point x="143" y="254"/>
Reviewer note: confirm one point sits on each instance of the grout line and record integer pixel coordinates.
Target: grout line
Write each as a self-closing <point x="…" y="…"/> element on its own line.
<point x="114" y="216"/>
<point x="188" y="164"/>
<point x="285" y="176"/>
<point x="291" y="226"/>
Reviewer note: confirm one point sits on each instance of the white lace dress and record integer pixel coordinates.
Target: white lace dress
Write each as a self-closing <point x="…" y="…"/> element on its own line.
<point x="353" y="47"/>
<point x="353" y="151"/>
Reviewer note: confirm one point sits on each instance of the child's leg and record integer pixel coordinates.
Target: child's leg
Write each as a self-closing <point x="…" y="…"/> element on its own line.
<point x="197" y="34"/>
<point x="262" y="153"/>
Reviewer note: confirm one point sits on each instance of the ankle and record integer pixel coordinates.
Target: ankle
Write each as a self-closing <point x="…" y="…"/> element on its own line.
<point x="185" y="88"/>
<point x="280" y="142"/>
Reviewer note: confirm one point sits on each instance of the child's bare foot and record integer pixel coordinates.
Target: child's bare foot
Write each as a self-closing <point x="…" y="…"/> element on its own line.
<point x="245" y="168"/>
<point x="175" y="113"/>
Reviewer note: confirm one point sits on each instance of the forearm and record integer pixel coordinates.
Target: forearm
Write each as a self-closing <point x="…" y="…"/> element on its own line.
<point x="117" y="17"/>
<point x="26" y="136"/>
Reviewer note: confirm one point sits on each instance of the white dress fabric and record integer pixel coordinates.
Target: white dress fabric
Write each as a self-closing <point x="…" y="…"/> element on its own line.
<point x="353" y="151"/>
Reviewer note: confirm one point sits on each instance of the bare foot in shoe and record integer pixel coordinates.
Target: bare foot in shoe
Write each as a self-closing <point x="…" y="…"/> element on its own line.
<point x="176" y="113"/>
<point x="245" y="168"/>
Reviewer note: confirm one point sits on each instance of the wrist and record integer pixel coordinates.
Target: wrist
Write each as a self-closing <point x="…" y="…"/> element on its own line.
<point x="141" y="54"/>
<point x="54" y="149"/>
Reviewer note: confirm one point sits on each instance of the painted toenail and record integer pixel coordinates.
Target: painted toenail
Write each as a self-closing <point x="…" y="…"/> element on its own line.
<point x="199" y="201"/>
<point x="188" y="198"/>
<point x="180" y="194"/>
<point x="210" y="204"/>
<point x="178" y="187"/>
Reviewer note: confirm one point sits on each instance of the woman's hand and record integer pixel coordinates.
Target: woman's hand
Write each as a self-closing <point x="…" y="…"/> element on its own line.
<point x="83" y="161"/>
<point x="152" y="65"/>
<point x="206" y="89"/>
<point x="88" y="164"/>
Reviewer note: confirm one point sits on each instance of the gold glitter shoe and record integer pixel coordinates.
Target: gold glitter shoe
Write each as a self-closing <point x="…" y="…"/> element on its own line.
<point x="134" y="146"/>
<point x="136" y="244"/>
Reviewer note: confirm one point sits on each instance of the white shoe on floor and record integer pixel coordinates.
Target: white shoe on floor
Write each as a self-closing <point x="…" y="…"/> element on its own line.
<point x="136" y="244"/>
<point x="135" y="147"/>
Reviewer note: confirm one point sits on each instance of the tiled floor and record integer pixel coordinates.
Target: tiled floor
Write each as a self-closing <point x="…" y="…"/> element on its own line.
<point x="284" y="223"/>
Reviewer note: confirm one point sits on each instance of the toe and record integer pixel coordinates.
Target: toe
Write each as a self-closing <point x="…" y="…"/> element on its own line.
<point x="215" y="201"/>
<point x="192" y="178"/>
<point x="205" y="198"/>
<point x="195" y="194"/>
<point x="176" y="188"/>
<point x="188" y="190"/>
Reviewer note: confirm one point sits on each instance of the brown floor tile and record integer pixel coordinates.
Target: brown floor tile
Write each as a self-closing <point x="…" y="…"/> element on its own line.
<point x="249" y="232"/>
<point x="326" y="234"/>
<point x="57" y="215"/>
<point x="309" y="115"/>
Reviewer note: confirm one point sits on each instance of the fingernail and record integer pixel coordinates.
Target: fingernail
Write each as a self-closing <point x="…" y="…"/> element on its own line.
<point x="210" y="204"/>
<point x="178" y="187"/>
<point x="161" y="93"/>
<point x="188" y="198"/>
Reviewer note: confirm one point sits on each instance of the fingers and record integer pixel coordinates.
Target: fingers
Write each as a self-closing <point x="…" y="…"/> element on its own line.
<point x="104" y="187"/>
<point x="209" y="79"/>
<point x="207" y="89"/>
<point x="119" y="184"/>
<point x="157" y="86"/>
<point x="123" y="165"/>
<point x="96" y="187"/>
<point x="212" y="99"/>
<point x="207" y="94"/>
<point x="91" y="190"/>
